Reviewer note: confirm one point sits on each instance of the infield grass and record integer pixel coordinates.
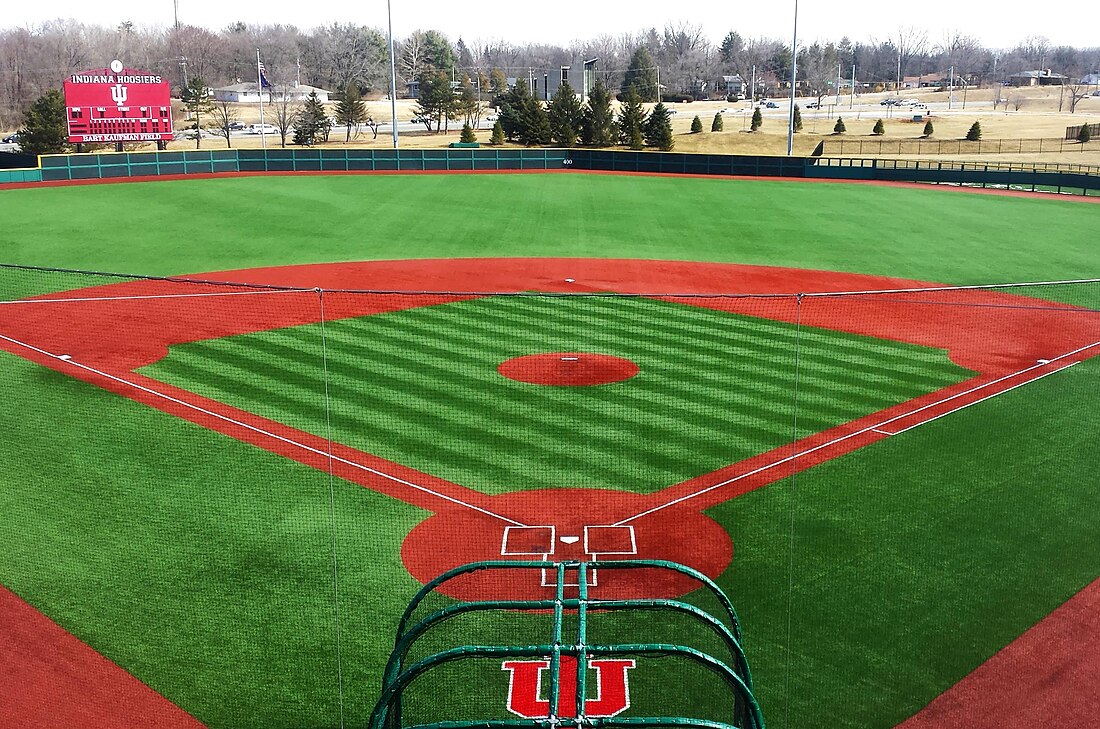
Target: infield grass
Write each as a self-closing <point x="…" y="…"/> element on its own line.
<point x="420" y="387"/>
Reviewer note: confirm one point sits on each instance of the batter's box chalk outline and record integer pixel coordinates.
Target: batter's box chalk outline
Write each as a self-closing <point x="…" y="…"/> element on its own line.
<point x="610" y="540"/>
<point x="528" y="541"/>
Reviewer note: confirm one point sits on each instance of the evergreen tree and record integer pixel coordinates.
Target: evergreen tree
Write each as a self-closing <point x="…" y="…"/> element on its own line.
<point x="696" y="125"/>
<point x="797" y="118"/>
<point x="879" y="129"/>
<point x="497" y="137"/>
<point x="632" y="120"/>
<point x="312" y="125"/>
<point x="658" y="129"/>
<point x="839" y="127"/>
<point x="196" y="97"/>
<point x="731" y="45"/>
<point x="45" y="129"/>
<point x="467" y="105"/>
<point x="534" y="123"/>
<point x="598" y="128"/>
<point x="975" y="132"/>
<point x="512" y="105"/>
<point x="1084" y="134"/>
<point x="437" y="102"/>
<point x="757" y="120"/>
<point x="467" y="135"/>
<point x="716" y="124"/>
<point x="350" y="110"/>
<point x="928" y="128"/>
<point x="498" y="82"/>
<point x="641" y="75"/>
<point x="565" y="115"/>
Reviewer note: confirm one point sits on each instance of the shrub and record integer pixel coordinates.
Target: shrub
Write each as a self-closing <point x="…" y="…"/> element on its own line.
<point x="757" y="119"/>
<point x="696" y="125"/>
<point x="928" y="128"/>
<point x="467" y="134"/>
<point x="1084" y="134"/>
<point x="839" y="127"/>
<point x="716" y="125"/>
<point x="975" y="132"/>
<point x="879" y="129"/>
<point x="497" y="137"/>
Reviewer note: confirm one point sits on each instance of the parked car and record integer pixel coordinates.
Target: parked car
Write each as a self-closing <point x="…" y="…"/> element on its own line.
<point x="11" y="139"/>
<point x="813" y="105"/>
<point x="772" y="105"/>
<point x="262" y="129"/>
<point x="236" y="126"/>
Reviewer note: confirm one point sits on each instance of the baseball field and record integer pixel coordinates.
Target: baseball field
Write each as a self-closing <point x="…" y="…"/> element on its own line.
<point x="246" y="418"/>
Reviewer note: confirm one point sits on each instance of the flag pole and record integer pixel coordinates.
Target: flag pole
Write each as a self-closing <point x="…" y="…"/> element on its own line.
<point x="260" y="86"/>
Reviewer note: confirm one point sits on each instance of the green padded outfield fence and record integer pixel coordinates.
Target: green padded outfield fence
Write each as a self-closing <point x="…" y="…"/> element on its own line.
<point x="1068" y="179"/>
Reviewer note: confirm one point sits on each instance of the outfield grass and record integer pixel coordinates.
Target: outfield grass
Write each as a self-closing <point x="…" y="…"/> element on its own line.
<point x="420" y="387"/>
<point x="191" y="226"/>
<point x="205" y="566"/>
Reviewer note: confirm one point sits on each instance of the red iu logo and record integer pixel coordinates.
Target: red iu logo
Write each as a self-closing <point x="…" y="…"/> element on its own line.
<point x="525" y="687"/>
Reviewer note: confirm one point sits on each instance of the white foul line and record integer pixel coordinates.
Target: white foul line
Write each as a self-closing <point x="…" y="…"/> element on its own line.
<point x="875" y="428"/>
<point x="68" y="360"/>
<point x="963" y="407"/>
<point x="154" y="296"/>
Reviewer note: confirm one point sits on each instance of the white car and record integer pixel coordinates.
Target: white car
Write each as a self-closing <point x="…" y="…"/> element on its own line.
<point x="261" y="129"/>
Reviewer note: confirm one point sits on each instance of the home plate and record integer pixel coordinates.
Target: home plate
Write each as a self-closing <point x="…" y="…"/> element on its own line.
<point x="570" y="540"/>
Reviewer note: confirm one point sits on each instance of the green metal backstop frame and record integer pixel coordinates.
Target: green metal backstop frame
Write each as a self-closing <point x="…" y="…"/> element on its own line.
<point x="737" y="677"/>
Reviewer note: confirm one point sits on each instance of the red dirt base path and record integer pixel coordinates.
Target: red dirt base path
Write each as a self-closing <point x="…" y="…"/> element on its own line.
<point x="51" y="680"/>
<point x="568" y="369"/>
<point x="1049" y="677"/>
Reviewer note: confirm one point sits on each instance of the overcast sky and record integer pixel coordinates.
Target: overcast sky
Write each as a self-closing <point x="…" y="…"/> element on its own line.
<point x="995" y="24"/>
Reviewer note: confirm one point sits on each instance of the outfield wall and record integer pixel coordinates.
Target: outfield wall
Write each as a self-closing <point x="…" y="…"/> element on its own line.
<point x="98" y="166"/>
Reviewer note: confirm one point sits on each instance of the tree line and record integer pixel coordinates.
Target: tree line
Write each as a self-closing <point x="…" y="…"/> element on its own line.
<point x="36" y="59"/>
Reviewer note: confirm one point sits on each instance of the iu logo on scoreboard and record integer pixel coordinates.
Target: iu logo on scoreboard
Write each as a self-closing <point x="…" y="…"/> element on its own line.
<point x="526" y="691"/>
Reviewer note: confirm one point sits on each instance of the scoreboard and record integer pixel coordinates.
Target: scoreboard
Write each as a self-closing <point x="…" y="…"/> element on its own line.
<point x="118" y="104"/>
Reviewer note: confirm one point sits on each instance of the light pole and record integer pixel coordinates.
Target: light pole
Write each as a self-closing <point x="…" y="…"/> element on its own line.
<point x="393" y="75"/>
<point x="794" y="78"/>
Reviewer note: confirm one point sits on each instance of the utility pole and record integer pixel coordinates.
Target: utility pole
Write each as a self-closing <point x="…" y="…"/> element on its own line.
<point x="950" y="86"/>
<point x="852" y="98"/>
<point x="794" y="79"/>
<point x="393" y="79"/>
<point x="897" y="88"/>
<point x="838" y="85"/>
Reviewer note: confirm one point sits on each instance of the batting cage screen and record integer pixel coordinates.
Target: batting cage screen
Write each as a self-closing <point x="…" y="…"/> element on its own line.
<point x="220" y="493"/>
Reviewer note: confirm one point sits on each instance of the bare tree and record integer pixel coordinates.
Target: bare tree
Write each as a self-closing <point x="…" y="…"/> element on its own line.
<point x="223" y="115"/>
<point x="1077" y="91"/>
<point x="284" y="110"/>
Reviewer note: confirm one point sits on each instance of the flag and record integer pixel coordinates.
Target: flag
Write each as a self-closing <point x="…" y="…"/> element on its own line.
<point x="264" y="83"/>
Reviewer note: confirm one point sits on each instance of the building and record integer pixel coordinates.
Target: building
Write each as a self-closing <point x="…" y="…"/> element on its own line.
<point x="248" y="93"/>
<point x="733" y="86"/>
<point x="1041" y="77"/>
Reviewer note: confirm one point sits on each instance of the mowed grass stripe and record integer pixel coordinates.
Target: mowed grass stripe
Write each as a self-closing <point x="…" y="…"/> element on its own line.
<point x="224" y="379"/>
<point x="892" y="361"/>
<point x="420" y="403"/>
<point x="416" y="410"/>
<point x="549" y="425"/>
<point x="420" y="387"/>
<point x="818" y="372"/>
<point x="696" y="406"/>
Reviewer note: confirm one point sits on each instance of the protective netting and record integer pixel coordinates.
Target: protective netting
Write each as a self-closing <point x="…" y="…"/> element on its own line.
<point x="232" y="490"/>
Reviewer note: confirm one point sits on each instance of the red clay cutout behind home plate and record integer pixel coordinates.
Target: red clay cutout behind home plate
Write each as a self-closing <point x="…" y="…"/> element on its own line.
<point x="568" y="369"/>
